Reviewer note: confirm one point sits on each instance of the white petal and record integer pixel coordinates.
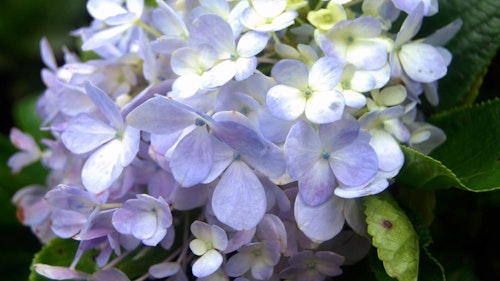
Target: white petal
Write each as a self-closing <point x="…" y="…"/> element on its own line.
<point x="218" y="75"/>
<point x="422" y="62"/>
<point x="102" y="9"/>
<point x="269" y="8"/>
<point x="104" y="37"/>
<point x="390" y="156"/>
<point x="251" y="43"/>
<point x="285" y="102"/>
<point x="325" y="107"/>
<point x="325" y="73"/>
<point x="102" y="168"/>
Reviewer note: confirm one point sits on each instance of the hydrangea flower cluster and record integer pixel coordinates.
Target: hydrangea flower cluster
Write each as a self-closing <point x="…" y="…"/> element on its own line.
<point x="238" y="136"/>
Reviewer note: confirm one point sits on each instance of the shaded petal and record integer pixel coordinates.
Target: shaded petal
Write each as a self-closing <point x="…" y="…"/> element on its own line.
<point x="210" y="29"/>
<point x="317" y="183"/>
<point x="164" y="269"/>
<point x="355" y="164"/>
<point x="239" y="198"/>
<point x="85" y="133"/>
<point x="291" y="73"/>
<point x="192" y="157"/>
<point x="320" y="223"/>
<point x="302" y="149"/>
<point x="271" y="164"/>
<point x="339" y="134"/>
<point x="59" y="272"/>
<point x="236" y="130"/>
<point x="413" y="21"/>
<point x="159" y="115"/>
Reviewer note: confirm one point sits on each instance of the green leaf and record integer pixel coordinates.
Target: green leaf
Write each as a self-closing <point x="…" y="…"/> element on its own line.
<point x="473" y="48"/>
<point x="425" y="172"/>
<point x="393" y="236"/>
<point x="377" y="267"/>
<point x="60" y="252"/>
<point x="430" y="269"/>
<point x="468" y="158"/>
<point x="471" y="149"/>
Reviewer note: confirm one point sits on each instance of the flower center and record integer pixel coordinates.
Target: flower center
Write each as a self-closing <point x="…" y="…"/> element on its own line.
<point x="199" y="122"/>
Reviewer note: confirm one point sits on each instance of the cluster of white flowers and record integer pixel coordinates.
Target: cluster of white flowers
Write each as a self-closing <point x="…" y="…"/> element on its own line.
<point x="237" y="135"/>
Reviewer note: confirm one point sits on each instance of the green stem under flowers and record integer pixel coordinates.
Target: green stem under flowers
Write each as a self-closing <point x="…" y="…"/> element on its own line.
<point x="275" y="37"/>
<point x="148" y="28"/>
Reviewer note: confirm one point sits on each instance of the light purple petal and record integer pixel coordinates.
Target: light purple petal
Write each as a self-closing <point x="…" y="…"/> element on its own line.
<point x="236" y="130"/>
<point x="210" y="29"/>
<point x="412" y="23"/>
<point x="291" y="73"/>
<point x="239" y="198"/>
<point x="192" y="157"/>
<point x="355" y="164"/>
<point x="164" y="269"/>
<point x="59" y="272"/>
<point x="110" y="274"/>
<point x="47" y="54"/>
<point x="339" y="134"/>
<point x="317" y="183"/>
<point x="320" y="223"/>
<point x="271" y="164"/>
<point x="159" y="116"/>
<point x="302" y="149"/>
<point x="85" y="133"/>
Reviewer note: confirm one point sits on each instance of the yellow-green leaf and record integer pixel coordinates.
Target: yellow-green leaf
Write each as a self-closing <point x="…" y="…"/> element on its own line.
<point x="394" y="236"/>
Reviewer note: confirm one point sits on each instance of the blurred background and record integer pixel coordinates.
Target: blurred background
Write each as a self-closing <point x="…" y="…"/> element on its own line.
<point x="22" y="25"/>
<point x="466" y="236"/>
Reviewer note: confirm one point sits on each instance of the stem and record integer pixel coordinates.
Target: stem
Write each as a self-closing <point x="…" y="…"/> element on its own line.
<point x="275" y="37"/>
<point x="148" y="28"/>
